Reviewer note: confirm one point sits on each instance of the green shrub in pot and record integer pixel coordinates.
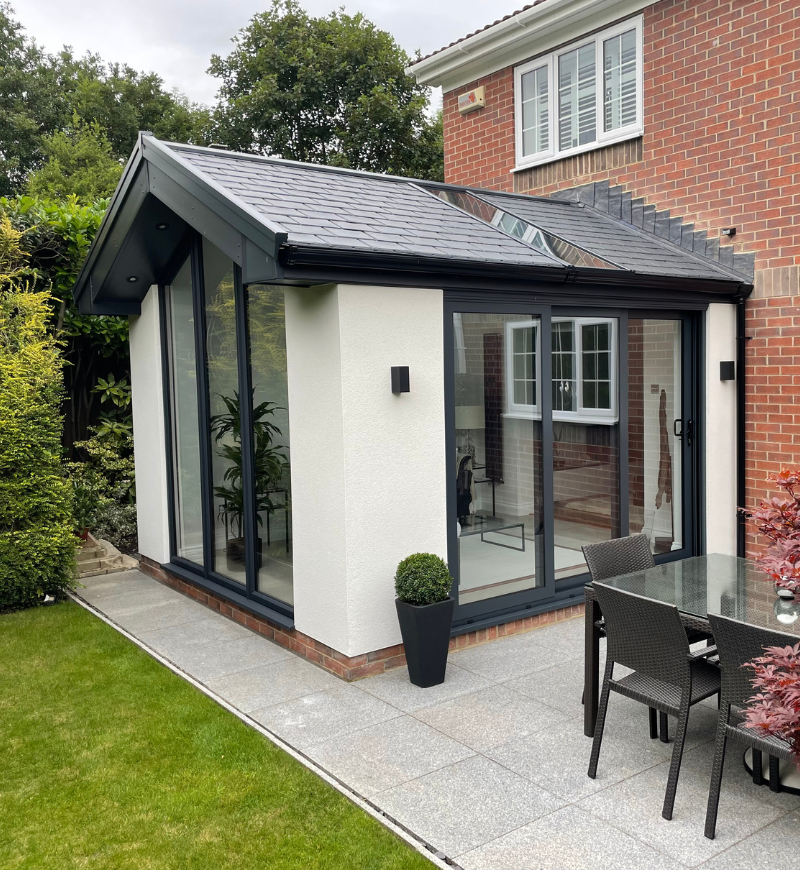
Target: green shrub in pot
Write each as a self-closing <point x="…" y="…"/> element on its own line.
<point x="422" y="579"/>
<point x="425" y="612"/>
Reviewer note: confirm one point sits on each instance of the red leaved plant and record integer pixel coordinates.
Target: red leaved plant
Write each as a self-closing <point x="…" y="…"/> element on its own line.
<point x="775" y="709"/>
<point x="779" y="520"/>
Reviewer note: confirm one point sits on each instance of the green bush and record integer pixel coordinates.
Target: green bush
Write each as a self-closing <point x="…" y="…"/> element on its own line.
<point x="422" y="579"/>
<point x="37" y="547"/>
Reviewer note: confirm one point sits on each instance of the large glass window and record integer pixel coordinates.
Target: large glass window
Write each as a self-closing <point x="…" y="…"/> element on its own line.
<point x="267" y="330"/>
<point x="580" y="97"/>
<point x="187" y="491"/>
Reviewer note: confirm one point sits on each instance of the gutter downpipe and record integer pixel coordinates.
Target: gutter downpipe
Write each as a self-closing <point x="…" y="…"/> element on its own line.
<point x="741" y="487"/>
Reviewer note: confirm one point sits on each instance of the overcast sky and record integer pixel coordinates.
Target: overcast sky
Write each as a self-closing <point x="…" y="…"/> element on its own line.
<point x="176" y="38"/>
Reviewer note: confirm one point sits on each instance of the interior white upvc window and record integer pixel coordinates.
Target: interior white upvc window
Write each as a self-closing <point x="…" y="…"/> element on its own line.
<point x="584" y="369"/>
<point x="585" y="95"/>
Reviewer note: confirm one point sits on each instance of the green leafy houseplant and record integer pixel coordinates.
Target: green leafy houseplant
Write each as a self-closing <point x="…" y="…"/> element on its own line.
<point x="422" y="579"/>
<point x="269" y="464"/>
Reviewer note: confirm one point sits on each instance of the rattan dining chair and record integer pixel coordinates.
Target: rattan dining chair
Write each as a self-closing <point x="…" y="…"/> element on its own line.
<point x="648" y="637"/>
<point x="627" y="556"/>
<point x="738" y="643"/>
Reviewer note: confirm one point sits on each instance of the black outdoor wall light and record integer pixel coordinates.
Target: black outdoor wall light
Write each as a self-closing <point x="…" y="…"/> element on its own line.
<point x="727" y="370"/>
<point x="400" y="379"/>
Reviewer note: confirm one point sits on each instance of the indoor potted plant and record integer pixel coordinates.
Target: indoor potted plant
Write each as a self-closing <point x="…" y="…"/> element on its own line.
<point x="779" y="521"/>
<point x="269" y="465"/>
<point x="425" y="611"/>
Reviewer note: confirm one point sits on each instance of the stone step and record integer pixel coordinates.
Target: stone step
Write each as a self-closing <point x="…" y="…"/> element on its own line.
<point x="86" y="554"/>
<point x="113" y="569"/>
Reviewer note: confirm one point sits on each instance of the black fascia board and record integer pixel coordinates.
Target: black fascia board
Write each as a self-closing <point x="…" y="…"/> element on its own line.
<point x="316" y="264"/>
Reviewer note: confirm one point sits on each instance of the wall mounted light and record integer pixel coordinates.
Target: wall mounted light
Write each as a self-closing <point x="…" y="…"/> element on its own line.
<point x="727" y="370"/>
<point x="400" y="379"/>
<point x="162" y="226"/>
<point x="132" y="279"/>
<point x="729" y="231"/>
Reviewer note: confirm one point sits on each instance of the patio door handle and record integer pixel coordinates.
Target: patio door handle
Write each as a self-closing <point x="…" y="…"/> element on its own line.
<point x="679" y="430"/>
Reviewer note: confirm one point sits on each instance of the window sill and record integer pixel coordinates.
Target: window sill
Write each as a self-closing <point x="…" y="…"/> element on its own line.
<point x="583" y="149"/>
<point x="561" y="418"/>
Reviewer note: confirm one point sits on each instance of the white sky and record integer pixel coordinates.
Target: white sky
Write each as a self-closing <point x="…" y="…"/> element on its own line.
<point x="176" y="38"/>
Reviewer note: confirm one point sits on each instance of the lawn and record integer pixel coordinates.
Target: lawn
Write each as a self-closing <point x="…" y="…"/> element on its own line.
<point x="109" y="760"/>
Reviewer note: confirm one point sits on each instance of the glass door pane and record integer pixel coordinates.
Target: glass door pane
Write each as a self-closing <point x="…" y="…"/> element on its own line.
<point x="498" y="461"/>
<point x="585" y="438"/>
<point x="223" y="397"/>
<point x="654" y="432"/>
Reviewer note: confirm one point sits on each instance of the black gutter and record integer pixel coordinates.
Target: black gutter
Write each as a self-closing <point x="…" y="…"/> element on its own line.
<point x="741" y="483"/>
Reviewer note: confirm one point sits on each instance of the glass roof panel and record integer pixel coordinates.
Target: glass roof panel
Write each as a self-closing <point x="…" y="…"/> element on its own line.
<point x="523" y="231"/>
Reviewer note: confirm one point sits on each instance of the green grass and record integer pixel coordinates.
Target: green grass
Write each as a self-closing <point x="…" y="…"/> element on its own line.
<point x="108" y="760"/>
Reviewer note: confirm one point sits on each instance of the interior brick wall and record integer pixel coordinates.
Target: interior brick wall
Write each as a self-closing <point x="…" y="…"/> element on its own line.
<point x="721" y="148"/>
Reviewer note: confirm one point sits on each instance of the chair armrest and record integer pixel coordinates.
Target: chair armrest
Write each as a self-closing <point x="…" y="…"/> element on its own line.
<point x="703" y="653"/>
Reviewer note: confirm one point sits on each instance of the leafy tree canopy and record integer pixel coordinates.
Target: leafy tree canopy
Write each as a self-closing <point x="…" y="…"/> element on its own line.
<point x="325" y="90"/>
<point x="80" y="162"/>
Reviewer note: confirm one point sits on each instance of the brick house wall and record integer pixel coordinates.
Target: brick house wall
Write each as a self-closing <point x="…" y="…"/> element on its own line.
<point x="721" y="148"/>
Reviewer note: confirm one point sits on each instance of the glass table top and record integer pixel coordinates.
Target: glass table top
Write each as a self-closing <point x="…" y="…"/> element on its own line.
<point x="718" y="584"/>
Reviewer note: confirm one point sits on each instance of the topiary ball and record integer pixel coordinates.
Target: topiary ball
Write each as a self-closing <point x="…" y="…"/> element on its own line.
<point x="422" y="579"/>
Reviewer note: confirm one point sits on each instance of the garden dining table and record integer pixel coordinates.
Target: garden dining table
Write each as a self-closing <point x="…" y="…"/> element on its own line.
<point x="724" y="585"/>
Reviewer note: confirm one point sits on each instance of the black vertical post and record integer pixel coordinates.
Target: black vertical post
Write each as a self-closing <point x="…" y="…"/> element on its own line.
<point x="203" y="403"/>
<point x="548" y="487"/>
<point x="250" y="519"/>
<point x="164" y="325"/>
<point x="622" y="398"/>
<point x="741" y="482"/>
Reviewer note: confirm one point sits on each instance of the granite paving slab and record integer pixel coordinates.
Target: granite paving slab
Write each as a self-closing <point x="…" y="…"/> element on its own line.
<point x="395" y="688"/>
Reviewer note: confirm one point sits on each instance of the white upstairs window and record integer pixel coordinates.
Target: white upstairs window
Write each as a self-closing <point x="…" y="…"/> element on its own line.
<point x="583" y="96"/>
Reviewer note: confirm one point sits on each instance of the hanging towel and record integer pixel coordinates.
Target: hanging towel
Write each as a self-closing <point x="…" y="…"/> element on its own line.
<point x="664" y="493"/>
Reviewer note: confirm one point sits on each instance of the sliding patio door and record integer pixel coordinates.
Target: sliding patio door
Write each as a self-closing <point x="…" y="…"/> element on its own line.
<point x="567" y="427"/>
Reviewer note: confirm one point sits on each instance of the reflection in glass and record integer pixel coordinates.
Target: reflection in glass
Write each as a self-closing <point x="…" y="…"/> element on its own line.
<point x="267" y="331"/>
<point x="223" y="396"/>
<point x="498" y="461"/>
<point x="585" y="454"/>
<point x="185" y="421"/>
<point x="654" y="403"/>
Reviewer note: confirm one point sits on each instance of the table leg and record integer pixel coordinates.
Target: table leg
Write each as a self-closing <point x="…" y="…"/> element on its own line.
<point x="591" y="689"/>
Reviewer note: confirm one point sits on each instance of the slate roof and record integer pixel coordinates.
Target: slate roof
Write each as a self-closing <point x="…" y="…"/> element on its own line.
<point x="612" y="240"/>
<point x="358" y="211"/>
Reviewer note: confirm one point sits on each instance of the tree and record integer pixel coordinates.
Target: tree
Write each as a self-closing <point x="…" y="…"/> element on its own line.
<point x="80" y="163"/>
<point x="325" y="90"/>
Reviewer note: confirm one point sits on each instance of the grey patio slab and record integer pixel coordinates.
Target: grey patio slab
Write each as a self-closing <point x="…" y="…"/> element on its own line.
<point x="205" y="661"/>
<point x="512" y="657"/>
<point x="567" y="839"/>
<point x="490" y="716"/>
<point x="776" y="846"/>
<point x="126" y="602"/>
<point x="110" y="585"/>
<point x="381" y="756"/>
<point x="560" y="687"/>
<point x="466" y="804"/>
<point x="166" y="615"/>
<point x="263" y="686"/>
<point x="557" y="760"/>
<point x="325" y="715"/>
<point x="394" y="688"/>
<point x="634" y="805"/>
<point x="212" y="629"/>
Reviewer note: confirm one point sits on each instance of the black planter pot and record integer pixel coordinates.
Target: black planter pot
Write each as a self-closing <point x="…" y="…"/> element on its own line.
<point x="235" y="550"/>
<point x="426" y="638"/>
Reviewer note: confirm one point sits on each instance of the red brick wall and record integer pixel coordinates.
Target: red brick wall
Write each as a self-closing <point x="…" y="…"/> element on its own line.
<point x="721" y="148"/>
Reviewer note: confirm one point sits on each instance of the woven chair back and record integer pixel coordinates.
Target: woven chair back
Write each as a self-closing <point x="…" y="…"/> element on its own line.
<point x="645" y="635"/>
<point x="738" y="643"/>
<point x="620" y="556"/>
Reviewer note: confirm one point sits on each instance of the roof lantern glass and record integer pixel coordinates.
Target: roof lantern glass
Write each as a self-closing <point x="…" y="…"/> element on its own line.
<point x="560" y="250"/>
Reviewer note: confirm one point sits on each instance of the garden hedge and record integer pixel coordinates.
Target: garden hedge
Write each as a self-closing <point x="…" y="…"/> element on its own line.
<point x="37" y="545"/>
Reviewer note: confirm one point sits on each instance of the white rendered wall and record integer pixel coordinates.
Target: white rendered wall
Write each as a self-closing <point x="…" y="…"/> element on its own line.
<point x="720" y="411"/>
<point x="368" y="466"/>
<point x="148" y="431"/>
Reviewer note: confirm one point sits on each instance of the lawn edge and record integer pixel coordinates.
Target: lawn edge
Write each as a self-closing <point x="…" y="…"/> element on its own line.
<point x="437" y="858"/>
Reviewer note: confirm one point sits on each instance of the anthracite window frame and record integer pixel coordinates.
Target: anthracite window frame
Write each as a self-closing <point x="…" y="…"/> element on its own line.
<point x="563" y="592"/>
<point x="248" y="597"/>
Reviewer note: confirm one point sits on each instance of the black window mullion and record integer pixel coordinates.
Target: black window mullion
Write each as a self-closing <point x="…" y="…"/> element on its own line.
<point x="250" y="530"/>
<point x="203" y="404"/>
<point x="622" y="399"/>
<point x="166" y="393"/>
<point x="548" y="486"/>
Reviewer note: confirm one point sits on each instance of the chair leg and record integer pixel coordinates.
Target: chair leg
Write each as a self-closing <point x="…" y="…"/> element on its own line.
<point x="716" y="776"/>
<point x="653" y="723"/>
<point x="774" y="774"/>
<point x="601" y="720"/>
<point x="677" y="755"/>
<point x="663" y="724"/>
<point x="758" y="770"/>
